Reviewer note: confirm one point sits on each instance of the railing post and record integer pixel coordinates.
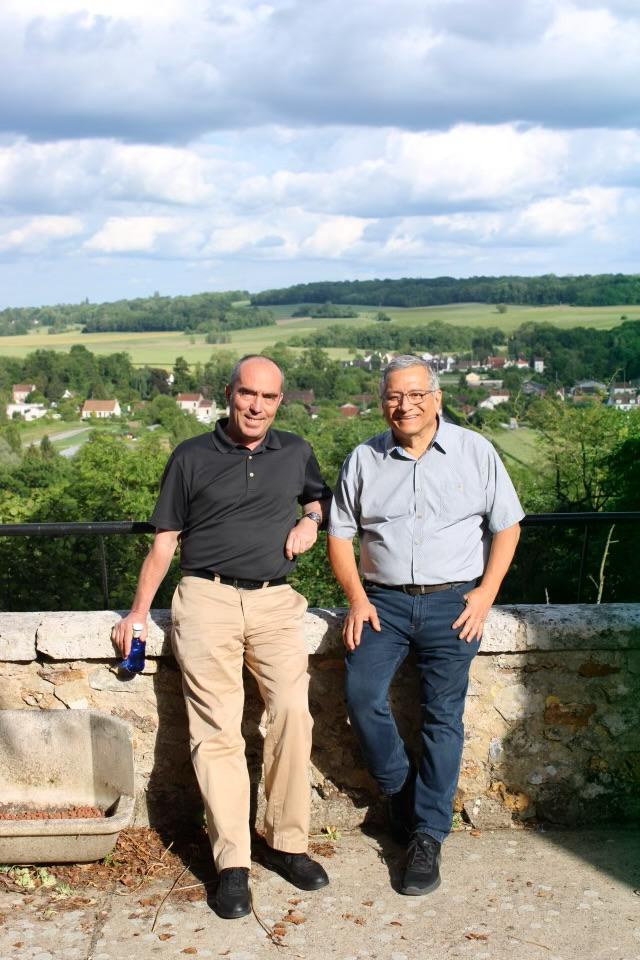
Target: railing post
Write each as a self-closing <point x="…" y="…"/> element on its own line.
<point x="583" y="559"/>
<point x="103" y="572"/>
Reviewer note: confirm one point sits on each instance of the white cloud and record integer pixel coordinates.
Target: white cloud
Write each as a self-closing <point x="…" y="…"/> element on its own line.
<point x="131" y="234"/>
<point x="334" y="237"/>
<point x="171" y="71"/>
<point x="65" y="175"/>
<point x="39" y="232"/>
<point x="264" y="141"/>
<point x="580" y="211"/>
<point x="157" y="173"/>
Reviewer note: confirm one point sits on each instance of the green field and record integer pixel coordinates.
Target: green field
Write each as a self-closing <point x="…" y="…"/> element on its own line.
<point x="161" y="349"/>
<point x="521" y="445"/>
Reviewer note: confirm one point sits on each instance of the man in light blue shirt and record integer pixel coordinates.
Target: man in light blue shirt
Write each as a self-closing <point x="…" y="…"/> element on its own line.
<point x="438" y="522"/>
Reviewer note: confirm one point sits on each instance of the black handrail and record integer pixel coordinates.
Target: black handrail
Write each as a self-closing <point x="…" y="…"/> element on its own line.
<point x="104" y="528"/>
<point x="114" y="527"/>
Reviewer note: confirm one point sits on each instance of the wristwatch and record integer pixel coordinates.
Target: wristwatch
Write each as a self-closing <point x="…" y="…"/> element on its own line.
<point x="312" y="515"/>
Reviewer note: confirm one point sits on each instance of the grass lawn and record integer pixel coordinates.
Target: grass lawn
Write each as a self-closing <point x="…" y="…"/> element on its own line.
<point x="161" y="349"/>
<point x="36" y="429"/>
<point x="521" y="445"/>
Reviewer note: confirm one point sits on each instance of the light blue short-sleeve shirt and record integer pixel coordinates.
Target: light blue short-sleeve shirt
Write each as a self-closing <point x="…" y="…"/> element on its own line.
<point x="428" y="520"/>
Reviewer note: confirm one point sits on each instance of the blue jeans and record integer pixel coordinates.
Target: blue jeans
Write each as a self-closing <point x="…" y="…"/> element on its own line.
<point x="421" y="623"/>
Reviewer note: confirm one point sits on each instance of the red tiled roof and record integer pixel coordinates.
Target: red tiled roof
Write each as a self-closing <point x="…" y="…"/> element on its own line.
<point x="99" y="406"/>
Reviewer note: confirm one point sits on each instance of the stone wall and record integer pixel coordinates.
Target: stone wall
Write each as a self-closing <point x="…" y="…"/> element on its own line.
<point x="552" y="717"/>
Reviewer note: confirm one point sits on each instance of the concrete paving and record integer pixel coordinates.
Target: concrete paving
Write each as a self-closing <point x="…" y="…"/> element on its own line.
<point x="505" y="894"/>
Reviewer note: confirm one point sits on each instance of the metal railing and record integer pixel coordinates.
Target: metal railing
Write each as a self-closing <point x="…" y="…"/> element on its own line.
<point x="102" y="529"/>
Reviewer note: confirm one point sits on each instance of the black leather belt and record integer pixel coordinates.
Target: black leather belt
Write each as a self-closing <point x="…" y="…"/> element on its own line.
<point x="416" y="589"/>
<point x="235" y="581"/>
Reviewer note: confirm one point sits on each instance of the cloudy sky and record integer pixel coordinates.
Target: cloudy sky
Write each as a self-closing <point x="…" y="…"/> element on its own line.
<point x="205" y="145"/>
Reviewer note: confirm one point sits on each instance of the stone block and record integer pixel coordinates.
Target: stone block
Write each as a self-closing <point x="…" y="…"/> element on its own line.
<point x="485" y="813"/>
<point x="74" y="635"/>
<point x="515" y="702"/>
<point x="77" y="635"/>
<point x="323" y="631"/>
<point x="109" y="681"/>
<point x="18" y="636"/>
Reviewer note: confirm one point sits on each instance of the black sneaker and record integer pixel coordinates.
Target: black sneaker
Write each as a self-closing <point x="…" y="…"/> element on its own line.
<point x="422" y="873"/>
<point x="232" y="898"/>
<point x="298" y="868"/>
<point x="400" y="810"/>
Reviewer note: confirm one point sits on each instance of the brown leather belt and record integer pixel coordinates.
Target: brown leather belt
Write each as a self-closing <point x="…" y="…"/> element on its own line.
<point x="416" y="589"/>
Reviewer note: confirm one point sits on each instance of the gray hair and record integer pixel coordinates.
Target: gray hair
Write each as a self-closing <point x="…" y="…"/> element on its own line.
<point x="235" y="373"/>
<point x="402" y="363"/>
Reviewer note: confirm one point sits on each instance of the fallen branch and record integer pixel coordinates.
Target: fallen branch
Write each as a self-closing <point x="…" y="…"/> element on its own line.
<point x="167" y="895"/>
<point x="532" y="942"/>
<point x="271" y="935"/>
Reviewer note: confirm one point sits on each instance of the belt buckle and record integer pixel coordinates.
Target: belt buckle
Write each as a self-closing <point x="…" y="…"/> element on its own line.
<point x="412" y="589"/>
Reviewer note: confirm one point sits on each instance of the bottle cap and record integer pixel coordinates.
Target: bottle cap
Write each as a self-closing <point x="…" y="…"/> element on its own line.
<point x="138" y="626"/>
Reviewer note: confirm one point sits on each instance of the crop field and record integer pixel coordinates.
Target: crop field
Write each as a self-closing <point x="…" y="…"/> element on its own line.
<point x="161" y="349"/>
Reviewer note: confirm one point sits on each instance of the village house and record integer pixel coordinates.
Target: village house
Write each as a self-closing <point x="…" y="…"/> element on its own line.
<point x="538" y="365"/>
<point x="28" y="411"/>
<point x="348" y="410"/>
<point x="623" y="396"/>
<point x="206" y="411"/>
<point x="495" y="363"/>
<point x="520" y="364"/>
<point x="585" y="391"/>
<point x="20" y="391"/>
<point x="494" y="400"/>
<point x="620" y="387"/>
<point x="100" y="409"/>
<point x="468" y="365"/>
<point x="306" y="397"/>
<point x="189" y="401"/>
<point x="533" y="389"/>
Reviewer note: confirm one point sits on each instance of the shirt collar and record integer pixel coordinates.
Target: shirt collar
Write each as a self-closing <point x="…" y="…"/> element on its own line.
<point x="223" y="443"/>
<point x="439" y="441"/>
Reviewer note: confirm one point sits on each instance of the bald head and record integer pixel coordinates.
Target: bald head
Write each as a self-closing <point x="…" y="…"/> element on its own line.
<point x="251" y="358"/>
<point x="254" y="395"/>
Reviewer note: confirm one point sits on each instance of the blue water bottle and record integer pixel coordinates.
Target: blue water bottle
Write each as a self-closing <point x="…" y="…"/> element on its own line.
<point x="134" y="662"/>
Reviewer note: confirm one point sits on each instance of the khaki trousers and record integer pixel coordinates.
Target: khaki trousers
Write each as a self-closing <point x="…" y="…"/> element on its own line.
<point x="217" y="628"/>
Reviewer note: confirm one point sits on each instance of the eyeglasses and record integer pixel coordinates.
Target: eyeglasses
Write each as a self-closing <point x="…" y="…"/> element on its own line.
<point x="416" y="397"/>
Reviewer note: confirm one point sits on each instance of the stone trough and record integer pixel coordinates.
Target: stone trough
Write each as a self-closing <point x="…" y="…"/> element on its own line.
<point x="60" y="760"/>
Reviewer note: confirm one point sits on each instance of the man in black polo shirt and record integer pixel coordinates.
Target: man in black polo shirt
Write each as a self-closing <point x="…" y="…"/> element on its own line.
<point x="229" y="498"/>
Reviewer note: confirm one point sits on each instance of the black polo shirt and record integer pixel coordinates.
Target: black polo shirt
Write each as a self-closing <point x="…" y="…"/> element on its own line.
<point x="235" y="506"/>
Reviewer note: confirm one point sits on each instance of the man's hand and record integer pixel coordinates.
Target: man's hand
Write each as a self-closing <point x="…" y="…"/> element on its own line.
<point x="122" y="631"/>
<point x="301" y="538"/>
<point x="478" y="602"/>
<point x="360" y="611"/>
<point x="152" y="573"/>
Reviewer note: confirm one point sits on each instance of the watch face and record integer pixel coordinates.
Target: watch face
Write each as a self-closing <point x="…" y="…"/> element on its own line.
<point x="312" y="515"/>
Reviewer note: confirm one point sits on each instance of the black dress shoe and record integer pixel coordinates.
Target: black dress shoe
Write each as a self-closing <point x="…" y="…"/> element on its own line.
<point x="232" y="898"/>
<point x="400" y="810"/>
<point x="422" y="873"/>
<point x="298" y="868"/>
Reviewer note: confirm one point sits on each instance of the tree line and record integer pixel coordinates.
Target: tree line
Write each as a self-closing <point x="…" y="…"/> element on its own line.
<point x="201" y="313"/>
<point x="231" y="310"/>
<point x="586" y="291"/>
